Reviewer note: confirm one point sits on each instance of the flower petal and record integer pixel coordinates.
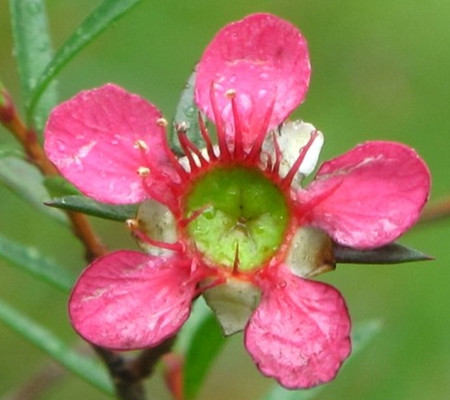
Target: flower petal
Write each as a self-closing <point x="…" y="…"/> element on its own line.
<point x="130" y="300"/>
<point x="299" y="334"/>
<point x="369" y="196"/>
<point x="93" y="140"/>
<point x="265" y="60"/>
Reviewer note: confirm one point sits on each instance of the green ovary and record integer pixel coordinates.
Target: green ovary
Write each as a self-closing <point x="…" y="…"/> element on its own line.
<point x="242" y="209"/>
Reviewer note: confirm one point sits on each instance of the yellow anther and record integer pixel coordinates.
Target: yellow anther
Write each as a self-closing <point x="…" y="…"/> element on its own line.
<point x="141" y="145"/>
<point x="230" y="93"/>
<point x="182" y="127"/>
<point x="161" y="122"/>
<point x="143" y="171"/>
<point x="132" y="224"/>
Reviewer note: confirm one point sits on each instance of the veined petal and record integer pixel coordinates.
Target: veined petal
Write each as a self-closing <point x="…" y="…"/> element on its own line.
<point x="299" y="334"/>
<point x="104" y="140"/>
<point x="369" y="196"/>
<point x="265" y="60"/>
<point x="129" y="300"/>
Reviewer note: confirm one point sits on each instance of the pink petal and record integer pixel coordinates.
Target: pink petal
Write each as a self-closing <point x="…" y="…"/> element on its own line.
<point x="264" y="59"/>
<point x="130" y="300"/>
<point x="369" y="196"/>
<point x="299" y="334"/>
<point x="92" y="137"/>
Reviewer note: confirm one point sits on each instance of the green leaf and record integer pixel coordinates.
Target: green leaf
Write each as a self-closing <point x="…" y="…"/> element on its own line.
<point x="57" y="186"/>
<point x="33" y="50"/>
<point x="42" y="338"/>
<point x="391" y="254"/>
<point x="24" y="180"/>
<point x="100" y="19"/>
<point x="89" y="206"/>
<point x="31" y="261"/>
<point x="186" y="113"/>
<point x="362" y="334"/>
<point x="201" y="340"/>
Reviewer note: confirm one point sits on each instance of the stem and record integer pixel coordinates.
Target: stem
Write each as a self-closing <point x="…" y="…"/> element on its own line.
<point x="436" y="211"/>
<point x="39" y="383"/>
<point x="144" y="364"/>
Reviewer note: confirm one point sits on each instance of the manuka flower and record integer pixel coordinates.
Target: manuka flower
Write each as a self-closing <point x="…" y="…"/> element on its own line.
<point x="232" y="221"/>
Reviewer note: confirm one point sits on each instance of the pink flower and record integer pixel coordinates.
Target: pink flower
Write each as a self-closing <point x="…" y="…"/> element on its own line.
<point x="232" y="221"/>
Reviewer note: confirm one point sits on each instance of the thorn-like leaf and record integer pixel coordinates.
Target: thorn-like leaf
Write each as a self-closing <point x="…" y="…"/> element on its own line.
<point x="89" y="206"/>
<point x="393" y="253"/>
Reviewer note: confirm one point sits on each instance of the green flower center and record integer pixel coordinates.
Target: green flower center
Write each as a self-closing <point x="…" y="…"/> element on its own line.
<point x="240" y="212"/>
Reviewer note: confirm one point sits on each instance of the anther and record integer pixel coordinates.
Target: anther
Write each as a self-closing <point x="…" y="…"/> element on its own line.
<point x="132" y="224"/>
<point x="141" y="145"/>
<point x="161" y="122"/>
<point x="182" y="127"/>
<point x="143" y="171"/>
<point x="230" y="93"/>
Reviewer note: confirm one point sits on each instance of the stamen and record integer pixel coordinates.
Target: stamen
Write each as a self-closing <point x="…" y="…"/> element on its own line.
<point x="287" y="180"/>
<point x="161" y="122"/>
<point x="182" y="139"/>
<point x="188" y="146"/>
<point x="220" y="126"/>
<point x="206" y="137"/>
<point x="143" y="171"/>
<point x="263" y="130"/>
<point x="269" y="163"/>
<point x="278" y="155"/>
<point x="133" y="225"/>
<point x="186" y="221"/>
<point x="238" y="144"/>
<point x="141" y="145"/>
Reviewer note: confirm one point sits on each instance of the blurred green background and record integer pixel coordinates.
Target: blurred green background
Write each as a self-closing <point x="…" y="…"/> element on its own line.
<point x="380" y="71"/>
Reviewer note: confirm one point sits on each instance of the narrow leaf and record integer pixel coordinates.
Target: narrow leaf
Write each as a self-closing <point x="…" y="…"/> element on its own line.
<point x="362" y="334"/>
<point x="201" y="341"/>
<point x="89" y="206"/>
<point x="391" y="254"/>
<point x="46" y="341"/>
<point x="57" y="186"/>
<point x="33" y="50"/>
<point x="31" y="261"/>
<point x="100" y="19"/>
<point x="24" y="180"/>
<point x="186" y="113"/>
